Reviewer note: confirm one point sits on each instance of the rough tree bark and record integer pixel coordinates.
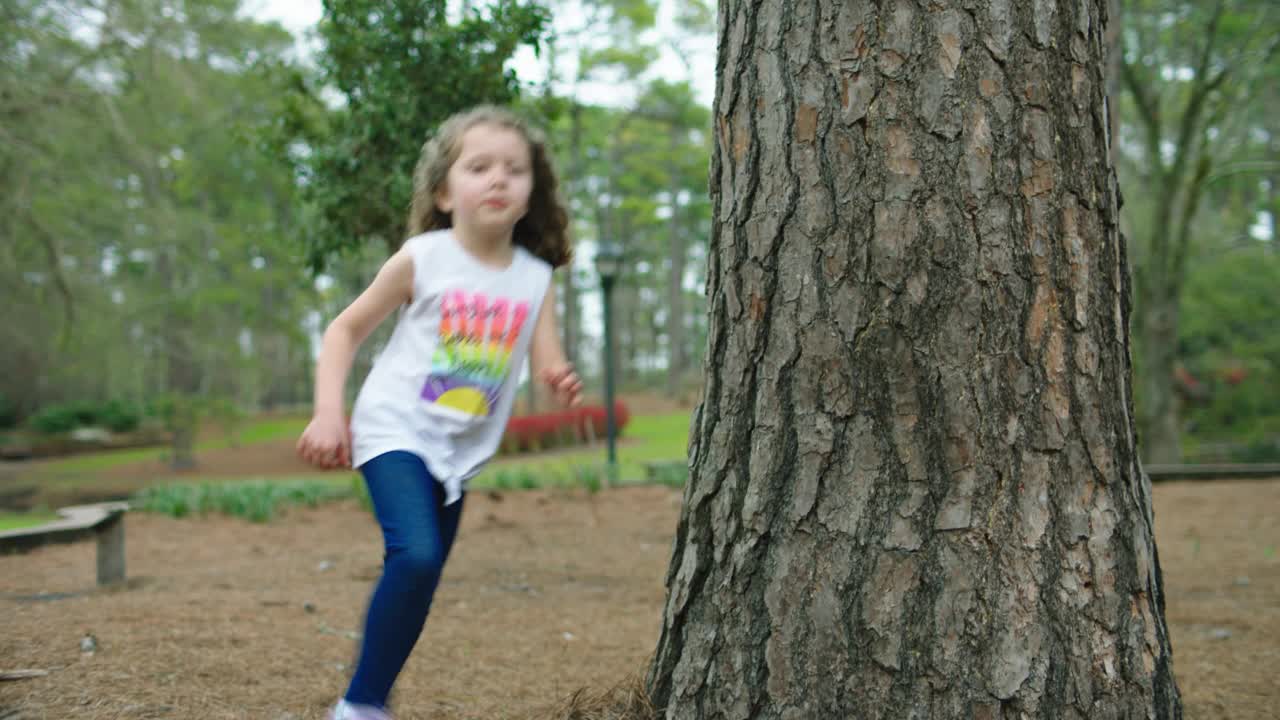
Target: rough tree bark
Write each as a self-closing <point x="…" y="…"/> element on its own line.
<point x="914" y="488"/>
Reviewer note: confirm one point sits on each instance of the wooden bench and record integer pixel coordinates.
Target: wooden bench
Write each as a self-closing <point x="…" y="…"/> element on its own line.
<point x="103" y="521"/>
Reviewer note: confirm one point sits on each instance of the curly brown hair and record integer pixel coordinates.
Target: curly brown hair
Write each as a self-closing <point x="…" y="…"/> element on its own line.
<point x="543" y="231"/>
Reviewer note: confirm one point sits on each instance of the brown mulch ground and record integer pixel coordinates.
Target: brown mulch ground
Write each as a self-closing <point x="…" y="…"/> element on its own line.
<point x="547" y="592"/>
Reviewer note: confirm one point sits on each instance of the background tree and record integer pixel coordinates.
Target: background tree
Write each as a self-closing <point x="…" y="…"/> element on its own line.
<point x="1190" y="70"/>
<point x="384" y="61"/>
<point x="148" y="229"/>
<point x="607" y="45"/>
<point x="915" y="485"/>
<point x="1229" y="338"/>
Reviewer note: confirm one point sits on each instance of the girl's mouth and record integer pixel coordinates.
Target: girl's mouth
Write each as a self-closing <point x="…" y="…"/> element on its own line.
<point x="499" y="204"/>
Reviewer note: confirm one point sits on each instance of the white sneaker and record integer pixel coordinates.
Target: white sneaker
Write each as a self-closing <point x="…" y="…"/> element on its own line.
<point x="348" y="711"/>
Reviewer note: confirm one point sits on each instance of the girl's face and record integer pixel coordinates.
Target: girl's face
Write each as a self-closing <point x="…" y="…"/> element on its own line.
<point x="489" y="184"/>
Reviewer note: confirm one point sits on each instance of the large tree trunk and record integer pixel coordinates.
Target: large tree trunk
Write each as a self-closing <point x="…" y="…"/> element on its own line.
<point x="915" y="490"/>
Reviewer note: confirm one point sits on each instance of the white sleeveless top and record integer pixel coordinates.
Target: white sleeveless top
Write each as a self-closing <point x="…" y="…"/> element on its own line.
<point x="443" y="387"/>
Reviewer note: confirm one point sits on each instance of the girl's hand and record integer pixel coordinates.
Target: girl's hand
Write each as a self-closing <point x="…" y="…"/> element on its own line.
<point x="564" y="383"/>
<point x="326" y="443"/>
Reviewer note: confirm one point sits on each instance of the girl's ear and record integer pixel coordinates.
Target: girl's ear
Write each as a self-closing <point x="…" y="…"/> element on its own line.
<point x="443" y="201"/>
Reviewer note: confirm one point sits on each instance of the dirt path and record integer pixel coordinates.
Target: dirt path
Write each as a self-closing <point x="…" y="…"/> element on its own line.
<point x="547" y="592"/>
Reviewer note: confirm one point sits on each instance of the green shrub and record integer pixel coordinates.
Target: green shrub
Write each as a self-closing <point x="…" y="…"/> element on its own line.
<point x="119" y="417"/>
<point x="673" y="474"/>
<point x="1258" y="450"/>
<point x="515" y="478"/>
<point x="114" y="415"/>
<point x="503" y="480"/>
<point x="8" y="413"/>
<point x="526" y="479"/>
<point x="589" y="477"/>
<point x="360" y="491"/>
<point x="256" y="501"/>
<point x="59" y="418"/>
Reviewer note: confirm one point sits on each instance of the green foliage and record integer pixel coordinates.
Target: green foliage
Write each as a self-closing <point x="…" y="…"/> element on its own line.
<point x="671" y="474"/>
<point x="526" y="479"/>
<point x="502" y="480"/>
<point x="145" y="247"/>
<point x="8" y="413"/>
<point x="360" y="491"/>
<point x="1258" y="449"/>
<point x="589" y="477"/>
<point x="640" y="177"/>
<point x="516" y="478"/>
<point x="18" y="521"/>
<point x="119" y="417"/>
<point x="1197" y="119"/>
<point x="114" y="415"/>
<point x="696" y="16"/>
<point x="400" y="68"/>
<point x="1230" y="341"/>
<point x="656" y="438"/>
<point x="256" y="501"/>
<point x="56" y="419"/>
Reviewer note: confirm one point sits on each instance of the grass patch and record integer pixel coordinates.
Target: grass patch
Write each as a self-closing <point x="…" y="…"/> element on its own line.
<point x="90" y="462"/>
<point x="674" y="473"/>
<point x="254" y="500"/>
<point x="263" y="430"/>
<point x="18" y="521"/>
<point x="254" y="432"/>
<point x="648" y="439"/>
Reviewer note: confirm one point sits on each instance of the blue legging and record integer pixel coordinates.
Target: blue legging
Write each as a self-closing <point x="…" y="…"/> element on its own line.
<point x="418" y="529"/>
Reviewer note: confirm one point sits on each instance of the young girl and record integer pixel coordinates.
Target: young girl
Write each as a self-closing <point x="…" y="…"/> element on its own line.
<point x="473" y="286"/>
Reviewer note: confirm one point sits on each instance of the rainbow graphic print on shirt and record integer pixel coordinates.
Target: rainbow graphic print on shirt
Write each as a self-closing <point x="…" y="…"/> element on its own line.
<point x="477" y="337"/>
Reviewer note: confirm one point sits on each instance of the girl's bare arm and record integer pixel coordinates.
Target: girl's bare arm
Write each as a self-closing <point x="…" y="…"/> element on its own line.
<point x="326" y="442"/>
<point x="391" y="288"/>
<point x="547" y="362"/>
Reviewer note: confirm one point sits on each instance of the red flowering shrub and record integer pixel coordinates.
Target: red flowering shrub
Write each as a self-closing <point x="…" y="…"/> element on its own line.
<point x="531" y="433"/>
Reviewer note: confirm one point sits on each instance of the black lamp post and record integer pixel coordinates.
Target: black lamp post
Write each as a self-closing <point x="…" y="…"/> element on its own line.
<point x="609" y="265"/>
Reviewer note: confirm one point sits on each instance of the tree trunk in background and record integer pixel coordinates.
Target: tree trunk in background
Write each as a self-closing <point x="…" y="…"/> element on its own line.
<point x="627" y="319"/>
<point x="1273" y="213"/>
<point x="572" y="307"/>
<point x="1164" y="235"/>
<point x="571" y="324"/>
<point x="1115" y="50"/>
<point x="1157" y="326"/>
<point x="362" y="363"/>
<point x="181" y="374"/>
<point x="915" y="490"/>
<point x="531" y="390"/>
<point x="677" y="353"/>
<point x="626" y="315"/>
